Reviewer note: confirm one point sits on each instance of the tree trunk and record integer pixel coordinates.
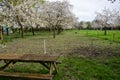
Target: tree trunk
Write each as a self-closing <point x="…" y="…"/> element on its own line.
<point x="54" y="35"/>
<point x="59" y="30"/>
<point x="7" y="29"/>
<point x="21" y="27"/>
<point x="19" y="31"/>
<point x="33" y="32"/>
<point x="105" y="31"/>
<point x="1" y="35"/>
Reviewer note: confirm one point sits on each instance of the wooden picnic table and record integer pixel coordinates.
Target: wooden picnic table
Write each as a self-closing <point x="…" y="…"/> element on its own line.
<point x="49" y="61"/>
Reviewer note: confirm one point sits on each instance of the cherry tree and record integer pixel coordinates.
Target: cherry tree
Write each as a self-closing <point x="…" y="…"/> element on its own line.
<point x="116" y="22"/>
<point x="57" y="15"/>
<point x="19" y="12"/>
<point x="105" y="19"/>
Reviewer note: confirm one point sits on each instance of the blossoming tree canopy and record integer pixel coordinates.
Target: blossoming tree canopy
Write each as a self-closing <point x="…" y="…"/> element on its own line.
<point x="19" y="12"/>
<point x="22" y="13"/>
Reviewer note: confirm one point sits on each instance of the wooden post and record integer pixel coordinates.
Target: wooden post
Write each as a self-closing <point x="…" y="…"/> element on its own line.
<point x="44" y="47"/>
<point x="55" y="67"/>
<point x="113" y="37"/>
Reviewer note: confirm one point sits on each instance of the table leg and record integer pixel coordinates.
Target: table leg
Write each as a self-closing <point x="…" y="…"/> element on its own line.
<point x="55" y="66"/>
<point x="11" y="64"/>
<point x="45" y="65"/>
<point x="6" y="65"/>
<point x="51" y="68"/>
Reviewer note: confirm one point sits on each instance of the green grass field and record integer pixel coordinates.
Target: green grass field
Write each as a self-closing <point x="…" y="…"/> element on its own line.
<point x="89" y="69"/>
<point x="85" y="56"/>
<point x="112" y="35"/>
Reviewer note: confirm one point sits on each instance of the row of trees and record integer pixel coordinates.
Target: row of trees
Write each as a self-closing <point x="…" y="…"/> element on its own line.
<point x="113" y="0"/>
<point x="35" y="14"/>
<point x="108" y="19"/>
<point x="104" y="20"/>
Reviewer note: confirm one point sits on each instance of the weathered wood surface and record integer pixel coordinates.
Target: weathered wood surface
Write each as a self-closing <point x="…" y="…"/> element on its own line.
<point x="27" y="75"/>
<point x="30" y="57"/>
<point x="47" y="60"/>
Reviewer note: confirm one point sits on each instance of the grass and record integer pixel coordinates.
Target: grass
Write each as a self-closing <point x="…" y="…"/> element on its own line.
<point x="84" y="57"/>
<point x="16" y="35"/>
<point x="112" y="35"/>
<point x="88" y="69"/>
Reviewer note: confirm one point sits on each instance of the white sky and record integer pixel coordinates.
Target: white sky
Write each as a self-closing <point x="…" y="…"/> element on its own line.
<point x="85" y="9"/>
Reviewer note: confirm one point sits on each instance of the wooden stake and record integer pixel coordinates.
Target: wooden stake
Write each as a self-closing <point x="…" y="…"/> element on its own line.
<point x="44" y="47"/>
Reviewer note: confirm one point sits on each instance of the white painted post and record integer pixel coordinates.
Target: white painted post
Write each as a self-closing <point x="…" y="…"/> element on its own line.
<point x="44" y="47"/>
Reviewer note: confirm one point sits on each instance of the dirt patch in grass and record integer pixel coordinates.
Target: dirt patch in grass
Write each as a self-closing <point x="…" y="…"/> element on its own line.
<point x="94" y="52"/>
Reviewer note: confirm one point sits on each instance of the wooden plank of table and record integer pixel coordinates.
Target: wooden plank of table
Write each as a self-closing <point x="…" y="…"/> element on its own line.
<point x="10" y="56"/>
<point x="30" y="57"/>
<point x="27" y="75"/>
<point x="40" y="57"/>
<point x="47" y="60"/>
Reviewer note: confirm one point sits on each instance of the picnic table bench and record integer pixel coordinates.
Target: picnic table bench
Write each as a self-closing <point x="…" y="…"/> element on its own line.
<point x="49" y="61"/>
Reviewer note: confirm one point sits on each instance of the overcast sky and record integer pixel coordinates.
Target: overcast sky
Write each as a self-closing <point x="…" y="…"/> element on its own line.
<point x="85" y="9"/>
